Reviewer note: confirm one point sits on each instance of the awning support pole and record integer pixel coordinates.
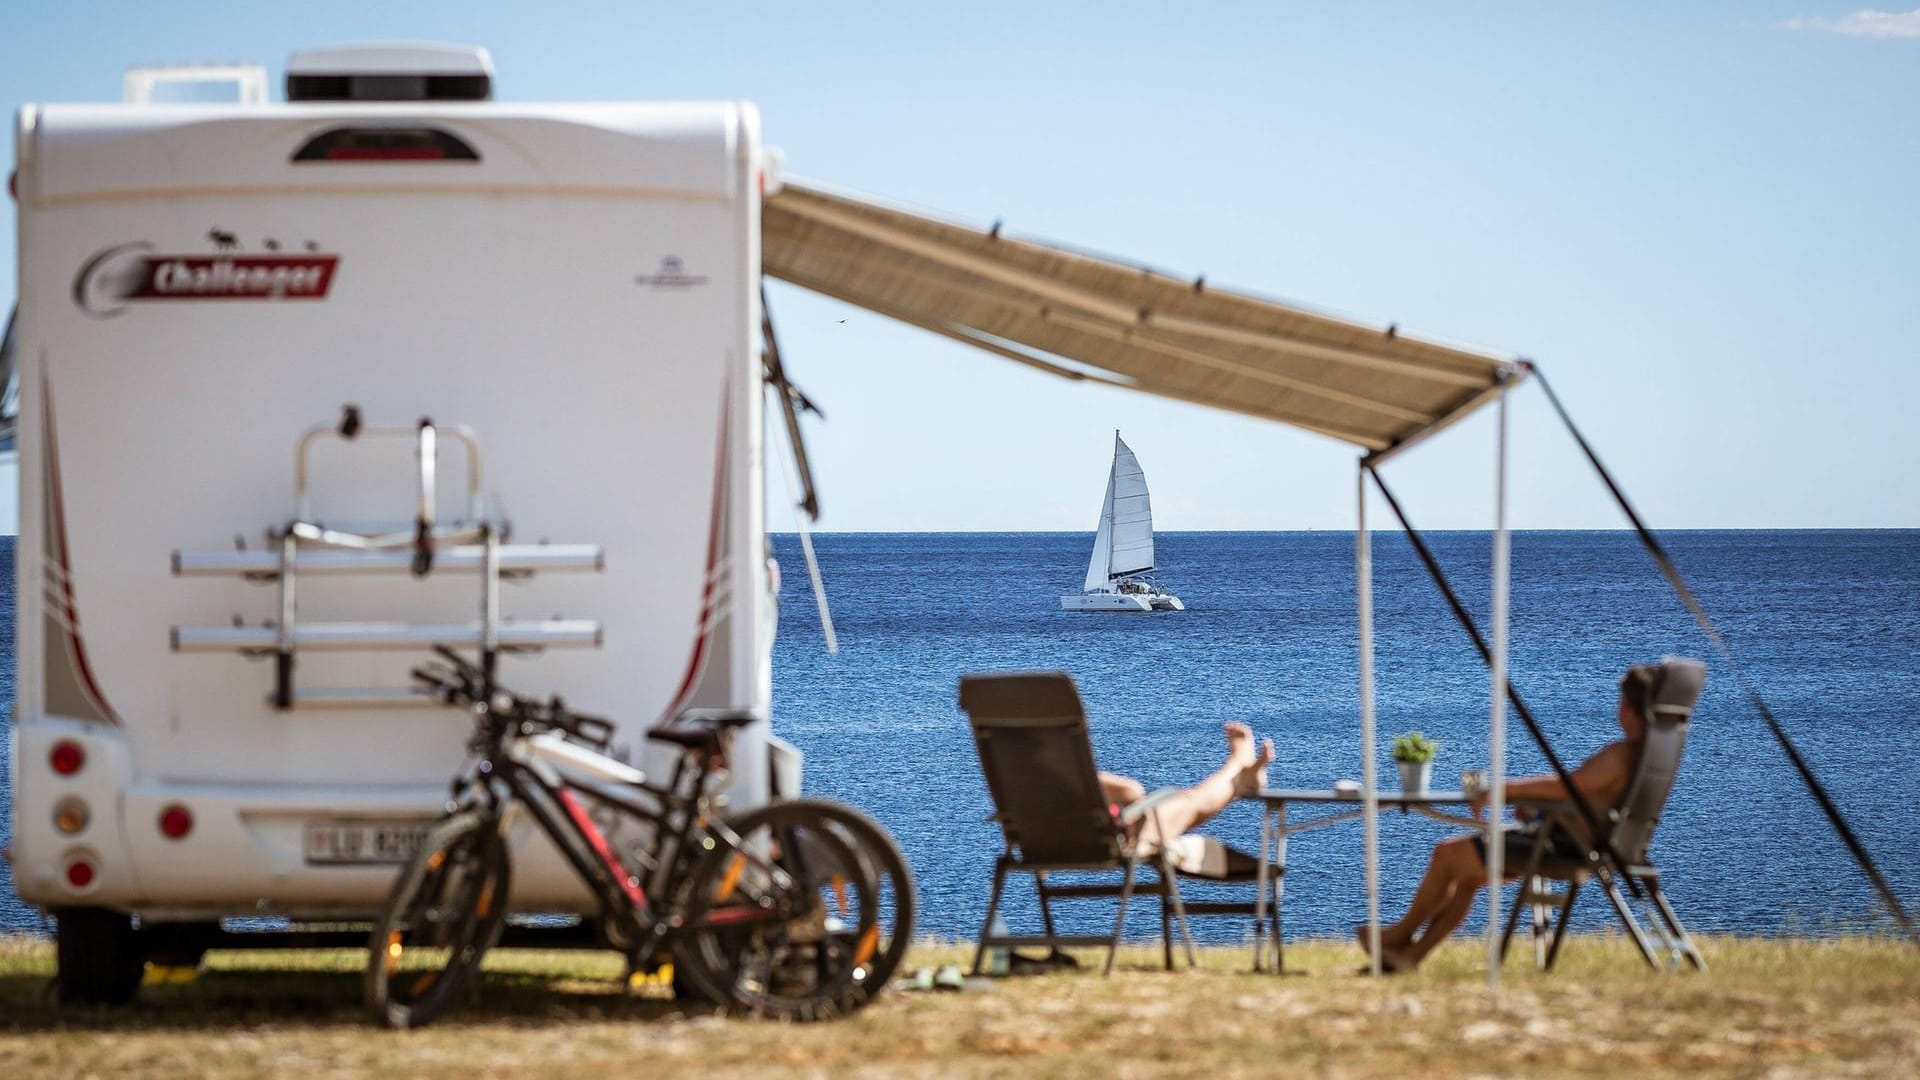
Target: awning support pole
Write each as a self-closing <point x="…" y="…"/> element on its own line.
<point x="1363" y="574"/>
<point x="1497" y="725"/>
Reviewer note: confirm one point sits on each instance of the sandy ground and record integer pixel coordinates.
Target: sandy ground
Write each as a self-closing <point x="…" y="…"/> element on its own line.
<point x="1844" y="1007"/>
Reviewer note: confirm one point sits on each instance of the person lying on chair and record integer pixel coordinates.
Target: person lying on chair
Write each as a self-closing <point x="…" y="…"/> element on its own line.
<point x="1458" y="869"/>
<point x="1243" y="773"/>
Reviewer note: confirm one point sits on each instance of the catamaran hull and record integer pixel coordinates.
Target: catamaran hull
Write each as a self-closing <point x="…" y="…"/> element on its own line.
<point x="1122" y="602"/>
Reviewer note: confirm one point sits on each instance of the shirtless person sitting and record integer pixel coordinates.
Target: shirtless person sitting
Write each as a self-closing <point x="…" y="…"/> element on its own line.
<point x="1244" y="773"/>
<point x="1458" y="869"/>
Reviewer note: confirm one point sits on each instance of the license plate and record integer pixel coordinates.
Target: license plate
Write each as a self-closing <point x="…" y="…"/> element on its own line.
<point x="363" y="843"/>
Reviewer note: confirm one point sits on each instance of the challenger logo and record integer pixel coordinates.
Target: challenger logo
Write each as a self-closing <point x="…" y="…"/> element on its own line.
<point x="134" y="274"/>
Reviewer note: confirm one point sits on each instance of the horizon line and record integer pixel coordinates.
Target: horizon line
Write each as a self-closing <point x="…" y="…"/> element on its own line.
<point x="1349" y="530"/>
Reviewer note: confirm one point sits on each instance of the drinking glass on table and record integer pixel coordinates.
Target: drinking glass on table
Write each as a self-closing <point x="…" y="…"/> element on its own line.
<point x="1473" y="782"/>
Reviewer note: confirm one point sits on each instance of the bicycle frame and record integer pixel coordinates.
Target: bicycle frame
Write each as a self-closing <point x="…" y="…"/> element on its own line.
<point x="677" y="813"/>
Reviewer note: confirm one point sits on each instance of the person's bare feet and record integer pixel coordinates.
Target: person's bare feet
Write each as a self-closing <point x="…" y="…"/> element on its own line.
<point x="1253" y="776"/>
<point x="1239" y="744"/>
<point x="1392" y="959"/>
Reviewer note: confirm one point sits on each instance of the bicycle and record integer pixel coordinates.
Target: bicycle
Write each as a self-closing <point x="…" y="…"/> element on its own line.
<point x="800" y="909"/>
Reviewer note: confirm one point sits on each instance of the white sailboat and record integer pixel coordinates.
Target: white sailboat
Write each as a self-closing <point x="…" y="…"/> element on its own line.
<point x="1123" y="546"/>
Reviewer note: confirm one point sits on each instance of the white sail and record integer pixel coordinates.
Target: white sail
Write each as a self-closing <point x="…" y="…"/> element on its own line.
<point x="1098" y="566"/>
<point x="1131" y="547"/>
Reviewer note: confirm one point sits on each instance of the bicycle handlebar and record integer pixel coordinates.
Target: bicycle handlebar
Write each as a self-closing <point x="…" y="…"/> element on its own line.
<point x="465" y="684"/>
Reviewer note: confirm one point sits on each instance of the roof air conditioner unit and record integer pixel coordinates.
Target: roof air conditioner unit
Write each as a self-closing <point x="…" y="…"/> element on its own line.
<point x="412" y="72"/>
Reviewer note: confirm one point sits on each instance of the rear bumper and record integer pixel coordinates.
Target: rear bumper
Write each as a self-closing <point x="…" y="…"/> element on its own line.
<point x="245" y="854"/>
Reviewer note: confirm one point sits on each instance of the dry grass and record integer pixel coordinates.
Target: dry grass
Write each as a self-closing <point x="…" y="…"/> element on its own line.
<point x="1847" y="1006"/>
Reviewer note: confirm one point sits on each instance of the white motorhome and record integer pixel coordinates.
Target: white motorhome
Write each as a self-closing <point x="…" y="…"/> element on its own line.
<point x="306" y="387"/>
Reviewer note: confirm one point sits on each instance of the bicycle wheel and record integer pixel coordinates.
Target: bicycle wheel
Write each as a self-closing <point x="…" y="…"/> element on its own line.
<point x="801" y="911"/>
<point x="444" y="912"/>
<point x="891" y="880"/>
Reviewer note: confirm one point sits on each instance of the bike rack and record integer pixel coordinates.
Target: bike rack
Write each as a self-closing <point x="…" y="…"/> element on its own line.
<point x="474" y="544"/>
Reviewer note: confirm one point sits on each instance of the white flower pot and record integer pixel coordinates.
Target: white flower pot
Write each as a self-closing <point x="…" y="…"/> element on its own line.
<point x="1414" y="776"/>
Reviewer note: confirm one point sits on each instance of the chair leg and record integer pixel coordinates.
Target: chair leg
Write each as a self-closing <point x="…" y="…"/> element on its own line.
<point x="1542" y="923"/>
<point x="1174" y="898"/>
<point x="1120" y="917"/>
<point x="1046" y="909"/>
<point x="1560" y="930"/>
<point x="1629" y="921"/>
<point x="1675" y="928"/>
<point x="1000" y="868"/>
<point x="1523" y="898"/>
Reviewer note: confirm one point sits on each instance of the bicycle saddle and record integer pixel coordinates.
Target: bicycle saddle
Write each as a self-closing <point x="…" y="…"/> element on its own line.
<point x="699" y="729"/>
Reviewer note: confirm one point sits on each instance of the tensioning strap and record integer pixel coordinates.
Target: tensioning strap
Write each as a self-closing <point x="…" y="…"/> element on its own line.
<point x="1600" y="830"/>
<point x="1719" y="643"/>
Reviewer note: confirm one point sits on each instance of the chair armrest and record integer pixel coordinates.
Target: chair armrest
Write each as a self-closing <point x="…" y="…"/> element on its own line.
<point x="1141" y="807"/>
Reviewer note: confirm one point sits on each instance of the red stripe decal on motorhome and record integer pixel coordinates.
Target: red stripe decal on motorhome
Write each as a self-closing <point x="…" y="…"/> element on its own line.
<point x="704" y="628"/>
<point x="56" y="533"/>
<point x="598" y="841"/>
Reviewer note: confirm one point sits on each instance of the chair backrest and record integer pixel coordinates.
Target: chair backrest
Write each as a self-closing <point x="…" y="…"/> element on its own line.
<point x="1672" y="688"/>
<point x="1031" y="732"/>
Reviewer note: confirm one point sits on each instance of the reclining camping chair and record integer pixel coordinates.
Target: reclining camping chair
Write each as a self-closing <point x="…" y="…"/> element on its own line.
<point x="1031" y="733"/>
<point x="1667" y="709"/>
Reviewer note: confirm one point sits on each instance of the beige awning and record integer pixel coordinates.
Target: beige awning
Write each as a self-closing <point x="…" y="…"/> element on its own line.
<point x="1087" y="317"/>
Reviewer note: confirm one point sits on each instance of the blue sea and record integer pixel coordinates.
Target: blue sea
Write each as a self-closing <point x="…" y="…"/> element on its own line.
<point x="1826" y="623"/>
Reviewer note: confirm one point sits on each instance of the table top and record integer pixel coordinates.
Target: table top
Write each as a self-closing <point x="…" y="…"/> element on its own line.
<point x="1271" y="796"/>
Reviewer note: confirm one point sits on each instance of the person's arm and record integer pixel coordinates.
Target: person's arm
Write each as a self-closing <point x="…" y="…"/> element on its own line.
<point x="1600" y="778"/>
<point x="1522" y="787"/>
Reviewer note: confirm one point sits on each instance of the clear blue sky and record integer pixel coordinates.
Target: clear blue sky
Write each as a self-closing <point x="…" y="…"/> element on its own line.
<point x="1699" y="217"/>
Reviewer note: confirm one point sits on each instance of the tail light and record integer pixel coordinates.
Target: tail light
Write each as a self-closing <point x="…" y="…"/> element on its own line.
<point x="80" y="873"/>
<point x="176" y="821"/>
<point x="385" y="144"/>
<point x="67" y="757"/>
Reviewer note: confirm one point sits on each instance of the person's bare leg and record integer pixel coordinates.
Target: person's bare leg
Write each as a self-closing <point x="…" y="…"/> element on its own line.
<point x="1469" y="877"/>
<point x="1446" y="868"/>
<point x="1451" y="860"/>
<point x="1194" y="806"/>
<point x="1121" y="790"/>
<point x="1446" y="920"/>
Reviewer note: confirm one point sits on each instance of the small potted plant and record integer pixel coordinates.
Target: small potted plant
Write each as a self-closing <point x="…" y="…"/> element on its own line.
<point x="1413" y="752"/>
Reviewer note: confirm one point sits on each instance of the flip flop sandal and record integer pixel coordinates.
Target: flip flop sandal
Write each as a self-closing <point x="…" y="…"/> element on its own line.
<point x="949" y="978"/>
<point x="919" y="982"/>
